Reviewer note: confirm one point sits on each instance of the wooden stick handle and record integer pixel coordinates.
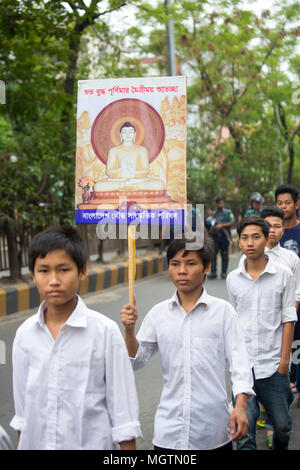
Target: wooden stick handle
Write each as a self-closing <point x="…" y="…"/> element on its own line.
<point x="131" y="262"/>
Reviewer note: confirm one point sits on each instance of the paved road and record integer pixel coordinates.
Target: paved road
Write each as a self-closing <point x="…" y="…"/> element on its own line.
<point x="149" y="379"/>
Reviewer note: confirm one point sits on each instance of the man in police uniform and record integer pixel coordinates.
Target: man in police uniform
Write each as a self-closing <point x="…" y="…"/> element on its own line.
<point x="220" y="233"/>
<point x="256" y="206"/>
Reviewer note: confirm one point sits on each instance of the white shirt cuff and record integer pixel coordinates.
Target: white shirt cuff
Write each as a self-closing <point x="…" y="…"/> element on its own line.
<point x="139" y="360"/>
<point x="289" y="314"/>
<point x="17" y="423"/>
<point x="243" y="388"/>
<point x="126" y="432"/>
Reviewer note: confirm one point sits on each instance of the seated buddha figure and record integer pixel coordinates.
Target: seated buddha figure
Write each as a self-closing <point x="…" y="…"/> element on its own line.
<point x="127" y="166"/>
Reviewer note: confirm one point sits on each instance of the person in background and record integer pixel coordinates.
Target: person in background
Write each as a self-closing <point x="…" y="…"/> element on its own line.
<point x="256" y="205"/>
<point x="221" y="235"/>
<point x="263" y="293"/>
<point x="275" y="217"/>
<point x="210" y="219"/>
<point x="287" y="199"/>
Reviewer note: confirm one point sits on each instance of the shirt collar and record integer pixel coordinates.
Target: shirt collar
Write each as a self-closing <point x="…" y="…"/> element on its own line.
<point x="78" y="317"/>
<point x="270" y="267"/>
<point x="275" y="250"/>
<point x="203" y="299"/>
<point x="222" y="211"/>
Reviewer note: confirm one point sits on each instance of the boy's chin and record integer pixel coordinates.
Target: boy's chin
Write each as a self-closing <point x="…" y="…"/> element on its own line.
<point x="60" y="300"/>
<point x="254" y="256"/>
<point x="188" y="288"/>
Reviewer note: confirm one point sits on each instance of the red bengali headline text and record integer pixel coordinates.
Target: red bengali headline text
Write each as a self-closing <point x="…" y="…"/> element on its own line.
<point x="133" y="89"/>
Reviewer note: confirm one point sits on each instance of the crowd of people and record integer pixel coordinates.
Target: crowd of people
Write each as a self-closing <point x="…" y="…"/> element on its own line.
<point x="73" y="373"/>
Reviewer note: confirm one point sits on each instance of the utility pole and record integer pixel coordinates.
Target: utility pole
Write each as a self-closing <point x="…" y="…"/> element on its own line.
<point x="171" y="58"/>
<point x="276" y="107"/>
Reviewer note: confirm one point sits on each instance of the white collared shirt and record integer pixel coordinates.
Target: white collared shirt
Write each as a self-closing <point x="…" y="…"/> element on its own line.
<point x="77" y="391"/>
<point x="287" y="258"/>
<point x="263" y="305"/>
<point x="193" y="411"/>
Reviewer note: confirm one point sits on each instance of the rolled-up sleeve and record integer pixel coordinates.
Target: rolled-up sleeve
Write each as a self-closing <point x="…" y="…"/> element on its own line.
<point x="20" y="373"/>
<point x="121" y="396"/>
<point x="230" y="292"/>
<point x="297" y="280"/>
<point x="289" y="313"/>
<point x="236" y="353"/>
<point x="147" y="343"/>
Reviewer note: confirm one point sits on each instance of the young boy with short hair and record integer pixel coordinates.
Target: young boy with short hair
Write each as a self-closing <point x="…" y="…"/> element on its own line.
<point x="275" y="218"/>
<point x="72" y="380"/>
<point x="287" y="199"/>
<point x="194" y="333"/>
<point x="263" y="293"/>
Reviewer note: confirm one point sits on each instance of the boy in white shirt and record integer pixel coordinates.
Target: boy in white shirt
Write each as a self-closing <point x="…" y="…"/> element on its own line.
<point x="73" y="383"/>
<point x="275" y="218"/>
<point x="263" y="293"/>
<point x="194" y="333"/>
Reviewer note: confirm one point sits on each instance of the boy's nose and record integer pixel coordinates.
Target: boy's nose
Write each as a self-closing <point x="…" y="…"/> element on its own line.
<point x="182" y="268"/>
<point x="54" y="281"/>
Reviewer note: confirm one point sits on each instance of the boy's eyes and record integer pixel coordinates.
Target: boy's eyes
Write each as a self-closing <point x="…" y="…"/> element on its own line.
<point x="256" y="237"/>
<point x="189" y="263"/>
<point x="45" y="270"/>
<point x="284" y="202"/>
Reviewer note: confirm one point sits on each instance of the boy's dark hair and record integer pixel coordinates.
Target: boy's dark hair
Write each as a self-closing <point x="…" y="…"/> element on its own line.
<point x="287" y="188"/>
<point x="205" y="253"/>
<point x="253" y="220"/>
<point x="57" y="238"/>
<point x="272" y="211"/>
<point x="220" y="198"/>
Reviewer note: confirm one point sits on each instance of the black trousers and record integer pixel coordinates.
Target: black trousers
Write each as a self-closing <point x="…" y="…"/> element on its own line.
<point x="220" y="244"/>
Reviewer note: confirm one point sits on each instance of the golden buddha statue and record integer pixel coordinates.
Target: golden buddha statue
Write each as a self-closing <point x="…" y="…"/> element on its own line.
<point x="127" y="166"/>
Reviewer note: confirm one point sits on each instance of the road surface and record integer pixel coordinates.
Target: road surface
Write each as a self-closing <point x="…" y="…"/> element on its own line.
<point x="148" y="380"/>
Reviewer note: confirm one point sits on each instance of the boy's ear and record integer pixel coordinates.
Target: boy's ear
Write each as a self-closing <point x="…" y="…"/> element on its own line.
<point x="207" y="269"/>
<point x="83" y="273"/>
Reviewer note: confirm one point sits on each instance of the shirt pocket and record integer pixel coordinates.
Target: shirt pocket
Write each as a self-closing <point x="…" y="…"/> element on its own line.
<point x="270" y="307"/>
<point x="204" y="352"/>
<point x="85" y="374"/>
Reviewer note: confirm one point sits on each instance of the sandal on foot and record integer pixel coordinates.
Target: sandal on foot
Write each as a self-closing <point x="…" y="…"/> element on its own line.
<point x="270" y="441"/>
<point x="261" y="422"/>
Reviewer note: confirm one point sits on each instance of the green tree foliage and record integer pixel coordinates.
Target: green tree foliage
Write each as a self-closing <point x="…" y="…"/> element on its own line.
<point x="41" y="43"/>
<point x="237" y="57"/>
<point x="242" y="66"/>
